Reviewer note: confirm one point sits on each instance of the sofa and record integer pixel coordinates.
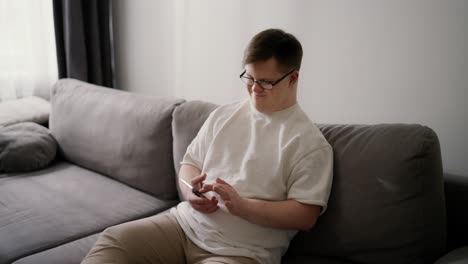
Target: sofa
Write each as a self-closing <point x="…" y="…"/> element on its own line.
<point x="118" y="157"/>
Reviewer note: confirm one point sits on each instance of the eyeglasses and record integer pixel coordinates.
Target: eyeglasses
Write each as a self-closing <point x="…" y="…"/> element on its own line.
<point x="249" y="81"/>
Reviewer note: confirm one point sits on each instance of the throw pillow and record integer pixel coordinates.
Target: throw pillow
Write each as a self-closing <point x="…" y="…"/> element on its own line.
<point x="25" y="146"/>
<point x="28" y="109"/>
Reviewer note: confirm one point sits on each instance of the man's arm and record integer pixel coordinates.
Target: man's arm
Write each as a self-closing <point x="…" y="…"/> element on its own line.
<point x="188" y="172"/>
<point x="289" y="214"/>
<point x="192" y="174"/>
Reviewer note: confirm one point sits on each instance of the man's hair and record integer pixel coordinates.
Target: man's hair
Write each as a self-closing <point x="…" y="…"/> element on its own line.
<point x="274" y="43"/>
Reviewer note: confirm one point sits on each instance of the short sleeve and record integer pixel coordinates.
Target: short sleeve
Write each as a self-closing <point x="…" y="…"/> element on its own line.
<point x="196" y="151"/>
<point x="311" y="178"/>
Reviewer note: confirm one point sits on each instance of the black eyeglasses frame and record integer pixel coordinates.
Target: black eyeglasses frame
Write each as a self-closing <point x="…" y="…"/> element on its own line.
<point x="260" y="82"/>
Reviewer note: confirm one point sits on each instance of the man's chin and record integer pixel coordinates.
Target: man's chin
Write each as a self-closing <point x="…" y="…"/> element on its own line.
<point x="259" y="104"/>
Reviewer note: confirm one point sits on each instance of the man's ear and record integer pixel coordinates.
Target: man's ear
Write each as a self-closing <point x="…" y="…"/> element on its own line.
<point x="294" y="77"/>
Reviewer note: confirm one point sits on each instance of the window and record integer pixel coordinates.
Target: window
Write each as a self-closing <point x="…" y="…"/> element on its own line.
<point x="28" y="64"/>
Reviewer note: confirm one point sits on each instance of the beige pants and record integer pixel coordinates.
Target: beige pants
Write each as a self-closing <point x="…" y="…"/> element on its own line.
<point x="157" y="239"/>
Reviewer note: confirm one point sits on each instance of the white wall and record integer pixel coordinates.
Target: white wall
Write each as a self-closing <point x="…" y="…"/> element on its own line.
<point x="365" y="61"/>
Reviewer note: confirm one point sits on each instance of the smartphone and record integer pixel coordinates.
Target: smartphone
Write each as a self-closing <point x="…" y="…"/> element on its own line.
<point x="195" y="191"/>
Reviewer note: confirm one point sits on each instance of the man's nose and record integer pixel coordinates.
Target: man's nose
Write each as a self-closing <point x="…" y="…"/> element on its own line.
<point x="257" y="88"/>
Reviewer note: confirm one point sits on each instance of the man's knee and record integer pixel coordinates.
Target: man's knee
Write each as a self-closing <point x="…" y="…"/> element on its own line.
<point x="122" y="234"/>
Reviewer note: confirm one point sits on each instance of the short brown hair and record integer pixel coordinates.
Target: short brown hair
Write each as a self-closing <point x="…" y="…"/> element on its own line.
<point x="274" y="43"/>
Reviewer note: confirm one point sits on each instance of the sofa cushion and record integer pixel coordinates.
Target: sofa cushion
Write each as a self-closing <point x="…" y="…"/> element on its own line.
<point x="25" y="146"/>
<point x="187" y="120"/>
<point x="47" y="208"/>
<point x="122" y="135"/>
<point x="456" y="199"/>
<point x="27" y="109"/>
<point x="457" y="256"/>
<point x="386" y="203"/>
<point x="70" y="253"/>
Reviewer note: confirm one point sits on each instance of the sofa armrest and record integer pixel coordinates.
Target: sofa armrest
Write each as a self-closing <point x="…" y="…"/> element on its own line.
<point x="456" y="199"/>
<point x="457" y="256"/>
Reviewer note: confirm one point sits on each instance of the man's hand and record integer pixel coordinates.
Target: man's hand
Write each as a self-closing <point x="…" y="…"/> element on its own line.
<point x="201" y="204"/>
<point x="234" y="203"/>
<point x="289" y="214"/>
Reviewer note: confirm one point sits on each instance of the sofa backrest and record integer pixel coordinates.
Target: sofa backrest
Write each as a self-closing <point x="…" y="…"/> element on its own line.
<point x="387" y="200"/>
<point x="187" y="120"/>
<point x="119" y="134"/>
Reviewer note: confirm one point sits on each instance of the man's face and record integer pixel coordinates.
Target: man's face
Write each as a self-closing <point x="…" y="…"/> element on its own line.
<point x="283" y="94"/>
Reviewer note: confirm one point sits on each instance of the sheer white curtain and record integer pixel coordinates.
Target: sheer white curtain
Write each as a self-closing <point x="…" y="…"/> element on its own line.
<point x="28" y="64"/>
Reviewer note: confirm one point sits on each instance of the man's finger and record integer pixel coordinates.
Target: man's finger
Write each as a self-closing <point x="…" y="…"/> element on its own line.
<point x="207" y="208"/>
<point x="197" y="179"/>
<point x="213" y="210"/>
<point x="207" y="211"/>
<point x="206" y="188"/>
<point x="220" y="181"/>
<point x="221" y="191"/>
<point x="198" y="200"/>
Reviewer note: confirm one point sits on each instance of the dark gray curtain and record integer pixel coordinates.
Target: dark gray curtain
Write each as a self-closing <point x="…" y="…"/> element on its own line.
<point x="84" y="40"/>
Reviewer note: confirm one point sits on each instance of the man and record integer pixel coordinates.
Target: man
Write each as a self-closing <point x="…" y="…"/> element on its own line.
<point x="263" y="167"/>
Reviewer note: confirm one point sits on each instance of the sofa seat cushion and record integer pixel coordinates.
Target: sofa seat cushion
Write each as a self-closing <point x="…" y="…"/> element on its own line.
<point x="72" y="252"/>
<point x="457" y="256"/>
<point x="26" y="146"/>
<point x="47" y="208"/>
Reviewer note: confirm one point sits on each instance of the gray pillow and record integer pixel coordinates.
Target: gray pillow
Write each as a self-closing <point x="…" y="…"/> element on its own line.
<point x="25" y="146"/>
<point x="122" y="135"/>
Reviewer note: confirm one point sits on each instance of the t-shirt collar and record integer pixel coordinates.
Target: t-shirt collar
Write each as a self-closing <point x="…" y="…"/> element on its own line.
<point x="273" y="115"/>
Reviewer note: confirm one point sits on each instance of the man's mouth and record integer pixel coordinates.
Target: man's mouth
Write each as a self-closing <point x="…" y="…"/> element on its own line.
<point x="259" y="95"/>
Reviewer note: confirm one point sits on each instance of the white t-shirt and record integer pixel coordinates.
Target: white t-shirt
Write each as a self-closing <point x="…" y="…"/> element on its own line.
<point x="274" y="157"/>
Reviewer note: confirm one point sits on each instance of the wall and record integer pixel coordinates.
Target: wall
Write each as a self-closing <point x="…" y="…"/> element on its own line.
<point x="365" y="61"/>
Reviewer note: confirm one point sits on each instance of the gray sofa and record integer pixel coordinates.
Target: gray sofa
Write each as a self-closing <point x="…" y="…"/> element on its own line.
<point x="119" y="155"/>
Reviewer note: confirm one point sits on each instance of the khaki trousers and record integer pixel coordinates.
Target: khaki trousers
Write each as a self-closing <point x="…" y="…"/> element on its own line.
<point x="157" y="239"/>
